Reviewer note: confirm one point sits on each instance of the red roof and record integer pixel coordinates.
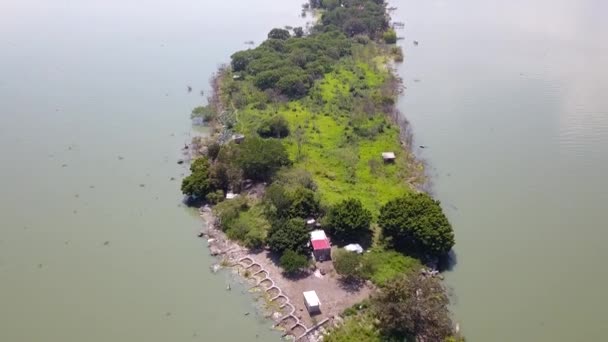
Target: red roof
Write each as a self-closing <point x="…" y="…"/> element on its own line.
<point x="320" y="244"/>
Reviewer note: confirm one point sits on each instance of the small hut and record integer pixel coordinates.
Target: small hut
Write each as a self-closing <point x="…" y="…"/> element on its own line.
<point x="238" y="138"/>
<point x="312" y="302"/>
<point x="389" y="157"/>
<point x="321" y="248"/>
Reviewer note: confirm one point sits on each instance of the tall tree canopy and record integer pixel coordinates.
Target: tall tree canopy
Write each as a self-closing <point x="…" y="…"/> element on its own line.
<point x="349" y="221"/>
<point x="197" y="183"/>
<point x="417" y="221"/>
<point x="261" y="158"/>
<point x="288" y="235"/>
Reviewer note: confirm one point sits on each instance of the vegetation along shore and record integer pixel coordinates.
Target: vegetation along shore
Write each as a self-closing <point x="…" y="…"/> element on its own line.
<point x="305" y="137"/>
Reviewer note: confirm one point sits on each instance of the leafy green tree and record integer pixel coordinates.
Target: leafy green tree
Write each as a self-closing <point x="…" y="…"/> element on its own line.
<point x="275" y="127"/>
<point x="390" y="36"/>
<point x="291" y="201"/>
<point x="278" y="33"/>
<point x="417" y="221"/>
<point x="349" y="221"/>
<point x="415" y="307"/>
<point x="288" y="235"/>
<point x="293" y="85"/>
<point x="197" y="184"/>
<point x="293" y="262"/>
<point x="261" y="158"/>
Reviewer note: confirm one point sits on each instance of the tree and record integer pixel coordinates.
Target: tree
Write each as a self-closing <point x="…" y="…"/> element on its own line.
<point x="197" y="184"/>
<point x="213" y="150"/>
<point x="293" y="201"/>
<point x="288" y="235"/>
<point x="390" y="36"/>
<point x="275" y="127"/>
<point x="417" y="221"/>
<point x="349" y="220"/>
<point x="261" y="158"/>
<point x="278" y="33"/>
<point x="293" y="262"/>
<point x="292" y="85"/>
<point x="304" y="203"/>
<point x="298" y="32"/>
<point x="347" y="264"/>
<point x="415" y="307"/>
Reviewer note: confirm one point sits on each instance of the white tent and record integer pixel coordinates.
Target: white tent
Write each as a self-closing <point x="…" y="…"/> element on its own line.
<point x="354" y="247"/>
<point x="317" y="235"/>
<point x="313" y="304"/>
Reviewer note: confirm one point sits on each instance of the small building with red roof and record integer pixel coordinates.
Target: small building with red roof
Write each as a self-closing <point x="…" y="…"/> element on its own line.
<point x="321" y="248"/>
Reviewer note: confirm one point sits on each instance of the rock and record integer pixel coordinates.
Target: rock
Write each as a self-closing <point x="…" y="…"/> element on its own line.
<point x="210" y="241"/>
<point x="180" y="162"/>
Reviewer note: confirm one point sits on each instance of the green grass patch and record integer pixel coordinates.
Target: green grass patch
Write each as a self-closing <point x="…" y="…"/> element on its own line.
<point x="355" y="328"/>
<point x="388" y="265"/>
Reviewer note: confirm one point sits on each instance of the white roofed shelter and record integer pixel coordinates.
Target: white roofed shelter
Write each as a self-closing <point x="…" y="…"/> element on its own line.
<point x="318" y="235"/>
<point x="313" y="304"/>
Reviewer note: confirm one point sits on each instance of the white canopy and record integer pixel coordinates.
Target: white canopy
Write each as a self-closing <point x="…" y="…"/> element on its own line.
<point x="317" y="235"/>
<point x="354" y="247"/>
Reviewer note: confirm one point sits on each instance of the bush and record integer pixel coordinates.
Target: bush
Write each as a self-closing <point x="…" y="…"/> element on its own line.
<point x="278" y="33"/>
<point x="417" y="222"/>
<point x="215" y="197"/>
<point x="261" y="158"/>
<point x="289" y="234"/>
<point x="347" y="264"/>
<point x="275" y="127"/>
<point x="213" y="150"/>
<point x="293" y="262"/>
<point x="390" y="36"/>
<point x="205" y="112"/>
<point x="349" y="221"/>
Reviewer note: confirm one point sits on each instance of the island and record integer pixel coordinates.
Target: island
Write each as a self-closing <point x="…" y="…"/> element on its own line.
<point x="309" y="187"/>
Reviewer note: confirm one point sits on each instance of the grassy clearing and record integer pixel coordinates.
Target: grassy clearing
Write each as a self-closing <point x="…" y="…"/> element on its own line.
<point x="388" y="265"/>
<point x="355" y="328"/>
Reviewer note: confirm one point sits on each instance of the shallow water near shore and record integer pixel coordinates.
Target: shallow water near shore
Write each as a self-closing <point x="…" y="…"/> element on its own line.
<point x="509" y="99"/>
<point x="94" y="110"/>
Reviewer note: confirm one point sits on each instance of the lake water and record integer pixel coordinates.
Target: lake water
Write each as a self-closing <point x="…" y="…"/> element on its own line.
<point x="94" y="109"/>
<point x="510" y="98"/>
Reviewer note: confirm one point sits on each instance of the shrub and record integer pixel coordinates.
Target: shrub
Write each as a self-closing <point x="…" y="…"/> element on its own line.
<point x="390" y="36"/>
<point x="418" y="222"/>
<point x="293" y="262"/>
<point x="213" y="150"/>
<point x="275" y="127"/>
<point x="215" y="197"/>
<point x="278" y="33"/>
<point x="205" y="112"/>
<point x="347" y="264"/>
